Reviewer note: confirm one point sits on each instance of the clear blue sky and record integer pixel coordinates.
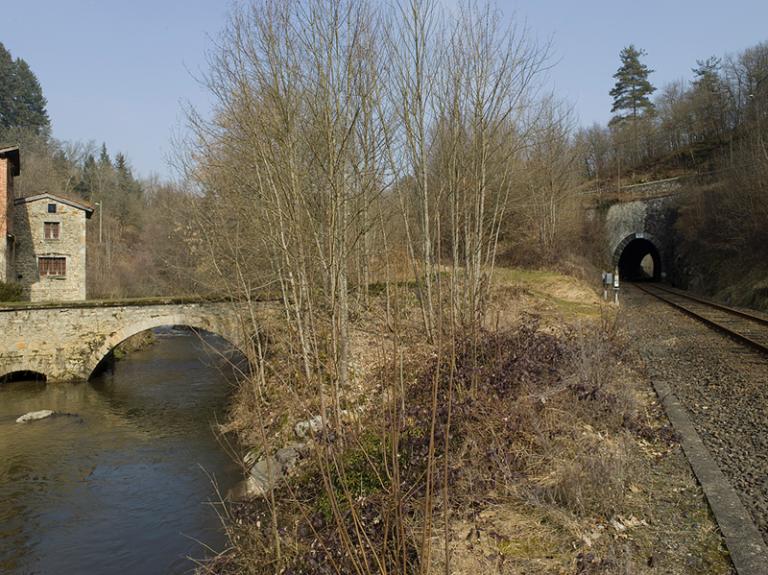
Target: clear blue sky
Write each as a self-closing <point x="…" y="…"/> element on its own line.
<point x="119" y="71"/>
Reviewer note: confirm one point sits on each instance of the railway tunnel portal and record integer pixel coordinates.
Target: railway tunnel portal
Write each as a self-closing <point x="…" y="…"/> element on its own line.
<point x="638" y="237"/>
<point x="638" y="258"/>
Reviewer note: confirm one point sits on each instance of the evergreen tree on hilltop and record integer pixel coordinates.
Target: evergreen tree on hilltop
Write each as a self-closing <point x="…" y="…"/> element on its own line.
<point x="22" y="104"/>
<point x="88" y="184"/>
<point x="30" y="110"/>
<point x="120" y="163"/>
<point x="631" y="94"/>
<point x="7" y="87"/>
<point x="127" y="200"/>
<point x="125" y="181"/>
<point x="707" y="73"/>
<point x="104" y="159"/>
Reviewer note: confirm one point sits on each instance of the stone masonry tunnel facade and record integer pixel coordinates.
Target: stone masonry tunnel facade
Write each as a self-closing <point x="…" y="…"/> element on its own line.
<point x="68" y="343"/>
<point x="637" y="230"/>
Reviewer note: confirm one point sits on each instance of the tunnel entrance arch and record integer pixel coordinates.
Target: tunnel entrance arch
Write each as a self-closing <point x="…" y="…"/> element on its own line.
<point x="637" y="258"/>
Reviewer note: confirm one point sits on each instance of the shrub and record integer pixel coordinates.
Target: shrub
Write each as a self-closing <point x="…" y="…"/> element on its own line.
<point x="10" y="292"/>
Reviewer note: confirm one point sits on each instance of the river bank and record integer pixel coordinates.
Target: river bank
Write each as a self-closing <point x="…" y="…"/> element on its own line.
<point x="558" y="455"/>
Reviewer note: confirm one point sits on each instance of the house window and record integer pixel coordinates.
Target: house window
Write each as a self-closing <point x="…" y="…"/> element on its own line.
<point x="51" y="208"/>
<point x="52" y="230"/>
<point x="52" y="266"/>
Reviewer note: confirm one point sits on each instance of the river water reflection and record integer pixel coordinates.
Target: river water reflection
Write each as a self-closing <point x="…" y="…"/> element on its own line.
<point x="123" y="488"/>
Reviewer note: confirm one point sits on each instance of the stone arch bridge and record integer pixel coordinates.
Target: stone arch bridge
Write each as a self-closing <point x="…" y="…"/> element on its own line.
<point x="66" y="342"/>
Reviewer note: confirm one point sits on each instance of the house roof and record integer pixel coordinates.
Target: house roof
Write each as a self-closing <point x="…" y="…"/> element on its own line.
<point x="79" y="204"/>
<point x="12" y="153"/>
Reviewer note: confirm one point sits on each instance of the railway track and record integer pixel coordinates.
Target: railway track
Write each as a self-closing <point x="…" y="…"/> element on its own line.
<point x="746" y="327"/>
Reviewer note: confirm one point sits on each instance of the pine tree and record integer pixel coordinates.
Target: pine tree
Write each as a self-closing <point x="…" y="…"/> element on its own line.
<point x="7" y="87"/>
<point x="126" y="183"/>
<point x="22" y="104"/>
<point x="127" y="199"/>
<point x="120" y="163"/>
<point x="632" y="89"/>
<point x="87" y="185"/>
<point x="706" y="71"/>
<point x="104" y="159"/>
<point x="30" y="105"/>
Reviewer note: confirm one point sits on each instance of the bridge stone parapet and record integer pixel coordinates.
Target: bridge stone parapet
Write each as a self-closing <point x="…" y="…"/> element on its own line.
<point x="66" y="343"/>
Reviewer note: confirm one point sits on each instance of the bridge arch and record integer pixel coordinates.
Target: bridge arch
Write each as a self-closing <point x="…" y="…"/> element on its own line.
<point x="630" y="253"/>
<point x="13" y="374"/>
<point x="67" y="342"/>
<point x="101" y="351"/>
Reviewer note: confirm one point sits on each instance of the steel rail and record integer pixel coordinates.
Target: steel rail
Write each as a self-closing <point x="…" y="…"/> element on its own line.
<point x="743" y="313"/>
<point x="713" y="324"/>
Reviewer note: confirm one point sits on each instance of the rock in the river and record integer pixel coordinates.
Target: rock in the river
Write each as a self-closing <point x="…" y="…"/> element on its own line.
<point x="35" y="415"/>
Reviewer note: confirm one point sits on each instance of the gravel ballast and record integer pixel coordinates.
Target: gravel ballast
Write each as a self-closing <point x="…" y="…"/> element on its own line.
<point x="722" y="385"/>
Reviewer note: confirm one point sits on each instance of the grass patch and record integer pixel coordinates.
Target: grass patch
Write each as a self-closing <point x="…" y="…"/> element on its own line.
<point x="550" y="292"/>
<point x="361" y="473"/>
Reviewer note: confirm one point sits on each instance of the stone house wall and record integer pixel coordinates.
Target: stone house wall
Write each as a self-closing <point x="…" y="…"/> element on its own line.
<point x="31" y="244"/>
<point x="6" y="227"/>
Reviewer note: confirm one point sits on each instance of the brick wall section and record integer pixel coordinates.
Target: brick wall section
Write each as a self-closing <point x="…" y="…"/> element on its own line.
<point x="29" y="220"/>
<point x="67" y="343"/>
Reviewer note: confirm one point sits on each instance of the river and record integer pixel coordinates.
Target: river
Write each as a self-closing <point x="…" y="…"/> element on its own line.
<point x="126" y="486"/>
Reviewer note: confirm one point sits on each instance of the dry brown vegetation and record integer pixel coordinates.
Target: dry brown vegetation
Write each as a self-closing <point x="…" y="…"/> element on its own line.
<point x="558" y="458"/>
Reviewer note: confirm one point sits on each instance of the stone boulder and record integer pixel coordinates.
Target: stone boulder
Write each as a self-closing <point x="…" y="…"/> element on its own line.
<point x="35" y="416"/>
<point x="266" y="473"/>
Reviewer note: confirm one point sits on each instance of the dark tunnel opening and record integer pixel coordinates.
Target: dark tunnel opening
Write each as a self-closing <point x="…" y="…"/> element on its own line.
<point x="640" y="261"/>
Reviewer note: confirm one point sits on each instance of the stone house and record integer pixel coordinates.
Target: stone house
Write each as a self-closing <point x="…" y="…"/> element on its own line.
<point x="45" y="247"/>
<point x="9" y="168"/>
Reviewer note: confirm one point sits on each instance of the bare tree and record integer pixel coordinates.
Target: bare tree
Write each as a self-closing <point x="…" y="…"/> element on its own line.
<point x="330" y="115"/>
